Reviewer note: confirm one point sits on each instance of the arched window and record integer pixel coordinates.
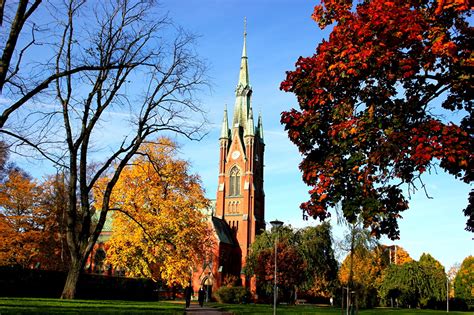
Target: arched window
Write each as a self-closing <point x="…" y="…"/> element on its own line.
<point x="234" y="181"/>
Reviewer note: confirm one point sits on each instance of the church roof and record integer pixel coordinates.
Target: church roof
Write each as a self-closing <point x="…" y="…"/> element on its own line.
<point x="242" y="120"/>
<point x="223" y="231"/>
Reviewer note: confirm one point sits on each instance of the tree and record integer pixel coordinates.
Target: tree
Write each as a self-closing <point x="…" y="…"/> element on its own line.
<point x="30" y="219"/>
<point x="415" y="284"/>
<point x="464" y="281"/>
<point x="360" y="268"/>
<point x="3" y="160"/>
<point x="52" y="248"/>
<point x="290" y="264"/>
<point x="143" y="69"/>
<point x="19" y="209"/>
<point x="158" y="228"/>
<point x="316" y="246"/>
<point x="452" y="272"/>
<point x="307" y="261"/>
<point x="370" y="102"/>
<point x="437" y="280"/>
<point x="15" y="20"/>
<point x="25" y="74"/>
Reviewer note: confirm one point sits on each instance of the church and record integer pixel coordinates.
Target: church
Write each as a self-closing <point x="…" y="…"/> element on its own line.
<point x="237" y="215"/>
<point x="238" y="212"/>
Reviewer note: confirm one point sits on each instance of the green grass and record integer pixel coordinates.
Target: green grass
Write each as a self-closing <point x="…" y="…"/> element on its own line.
<point x="57" y="306"/>
<point x="311" y="309"/>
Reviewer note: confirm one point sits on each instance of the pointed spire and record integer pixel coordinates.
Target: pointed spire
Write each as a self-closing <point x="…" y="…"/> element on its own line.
<point x="243" y="91"/>
<point x="260" y="126"/>
<point x="249" y="127"/>
<point x="244" y="49"/>
<point x="244" y="72"/>
<point x="225" y="126"/>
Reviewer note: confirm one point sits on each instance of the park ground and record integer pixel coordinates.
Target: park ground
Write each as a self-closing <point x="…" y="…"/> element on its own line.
<point x="57" y="306"/>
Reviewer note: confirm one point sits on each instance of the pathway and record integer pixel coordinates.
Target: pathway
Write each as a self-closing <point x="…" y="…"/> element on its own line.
<point x="195" y="309"/>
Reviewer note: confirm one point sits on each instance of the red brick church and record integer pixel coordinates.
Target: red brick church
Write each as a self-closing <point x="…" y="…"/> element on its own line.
<point x="238" y="213"/>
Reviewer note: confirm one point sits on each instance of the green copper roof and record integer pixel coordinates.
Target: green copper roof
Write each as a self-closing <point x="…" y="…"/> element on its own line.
<point x="243" y="90"/>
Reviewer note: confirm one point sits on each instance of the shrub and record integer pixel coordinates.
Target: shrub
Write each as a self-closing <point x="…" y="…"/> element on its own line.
<point x="232" y="295"/>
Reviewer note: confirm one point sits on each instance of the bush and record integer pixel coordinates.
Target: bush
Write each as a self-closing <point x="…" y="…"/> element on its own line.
<point x="232" y="295"/>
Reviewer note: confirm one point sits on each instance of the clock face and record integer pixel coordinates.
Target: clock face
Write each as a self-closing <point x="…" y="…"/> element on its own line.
<point x="235" y="155"/>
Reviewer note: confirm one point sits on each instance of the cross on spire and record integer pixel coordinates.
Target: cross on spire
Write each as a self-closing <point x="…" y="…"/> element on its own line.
<point x="245" y="26"/>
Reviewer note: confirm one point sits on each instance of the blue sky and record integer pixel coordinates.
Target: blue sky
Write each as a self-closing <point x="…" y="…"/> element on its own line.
<point x="279" y="31"/>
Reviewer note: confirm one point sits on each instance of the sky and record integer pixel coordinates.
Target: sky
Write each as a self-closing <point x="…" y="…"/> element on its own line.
<point x="278" y="32"/>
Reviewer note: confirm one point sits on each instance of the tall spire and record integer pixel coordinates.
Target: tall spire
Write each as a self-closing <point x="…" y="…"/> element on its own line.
<point x="244" y="72"/>
<point x="244" y="49"/>
<point x="243" y="90"/>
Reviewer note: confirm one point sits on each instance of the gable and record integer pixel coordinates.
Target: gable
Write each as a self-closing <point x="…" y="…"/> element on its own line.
<point x="223" y="231"/>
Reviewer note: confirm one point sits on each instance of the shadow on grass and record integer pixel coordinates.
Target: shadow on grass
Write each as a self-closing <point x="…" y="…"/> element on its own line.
<point x="57" y="306"/>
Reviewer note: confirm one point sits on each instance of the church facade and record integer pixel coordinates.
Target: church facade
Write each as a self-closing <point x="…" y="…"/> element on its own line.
<point x="238" y="213"/>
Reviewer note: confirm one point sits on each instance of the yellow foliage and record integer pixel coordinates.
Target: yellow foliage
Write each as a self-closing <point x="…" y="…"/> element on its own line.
<point x="368" y="266"/>
<point x="158" y="228"/>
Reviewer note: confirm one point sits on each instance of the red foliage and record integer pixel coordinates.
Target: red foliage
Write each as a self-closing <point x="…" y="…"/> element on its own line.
<point x="368" y="100"/>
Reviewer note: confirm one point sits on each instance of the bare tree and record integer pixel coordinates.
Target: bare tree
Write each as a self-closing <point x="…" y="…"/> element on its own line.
<point x="141" y="69"/>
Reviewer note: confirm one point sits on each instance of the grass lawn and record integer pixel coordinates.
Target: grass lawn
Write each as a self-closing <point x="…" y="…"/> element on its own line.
<point x="311" y="309"/>
<point x="57" y="306"/>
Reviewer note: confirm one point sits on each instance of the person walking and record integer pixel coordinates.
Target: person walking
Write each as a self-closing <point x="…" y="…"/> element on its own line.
<point x="201" y="296"/>
<point x="188" y="291"/>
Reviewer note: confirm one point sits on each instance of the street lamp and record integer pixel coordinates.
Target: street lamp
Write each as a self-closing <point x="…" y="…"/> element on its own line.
<point x="276" y="224"/>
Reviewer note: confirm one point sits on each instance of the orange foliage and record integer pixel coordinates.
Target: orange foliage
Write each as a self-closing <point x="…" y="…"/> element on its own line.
<point x="158" y="228"/>
<point x="29" y="224"/>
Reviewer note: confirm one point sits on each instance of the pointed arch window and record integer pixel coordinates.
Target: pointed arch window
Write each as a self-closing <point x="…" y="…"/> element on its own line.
<point x="234" y="181"/>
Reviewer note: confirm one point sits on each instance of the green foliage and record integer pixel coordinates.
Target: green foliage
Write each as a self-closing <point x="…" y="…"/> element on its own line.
<point x="415" y="284"/>
<point x="305" y="260"/>
<point x="464" y="281"/>
<point x="233" y="295"/>
<point x="436" y="277"/>
<point x="317" y="250"/>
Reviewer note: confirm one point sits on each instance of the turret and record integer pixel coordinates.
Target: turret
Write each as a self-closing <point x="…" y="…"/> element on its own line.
<point x="225" y="126"/>
<point x="249" y="127"/>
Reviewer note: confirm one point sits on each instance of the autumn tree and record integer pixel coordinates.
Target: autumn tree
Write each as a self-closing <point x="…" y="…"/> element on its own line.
<point x="464" y="281"/>
<point x="31" y="215"/>
<point x="142" y="71"/>
<point x="19" y="211"/>
<point x="371" y="101"/>
<point x="159" y="229"/>
<point x="313" y="270"/>
<point x="359" y="269"/>
<point x="53" y="202"/>
<point x="290" y="264"/>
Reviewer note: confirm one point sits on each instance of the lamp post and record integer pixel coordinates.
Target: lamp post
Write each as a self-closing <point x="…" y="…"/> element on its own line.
<point x="276" y="224"/>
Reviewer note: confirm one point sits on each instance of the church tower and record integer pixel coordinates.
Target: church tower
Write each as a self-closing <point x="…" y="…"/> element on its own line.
<point x="240" y="197"/>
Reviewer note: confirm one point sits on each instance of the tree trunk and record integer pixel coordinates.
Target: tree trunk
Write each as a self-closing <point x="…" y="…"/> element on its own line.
<point x="69" y="291"/>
